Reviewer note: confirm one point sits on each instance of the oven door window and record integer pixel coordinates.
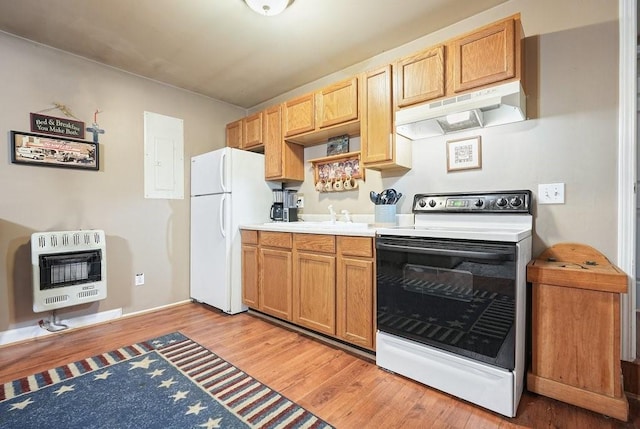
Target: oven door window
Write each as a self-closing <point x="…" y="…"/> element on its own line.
<point x="456" y="295"/>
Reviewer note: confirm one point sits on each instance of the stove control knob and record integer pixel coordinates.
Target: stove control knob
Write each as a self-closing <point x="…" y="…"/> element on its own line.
<point x="515" y="201"/>
<point x="478" y="203"/>
<point x="422" y="202"/>
<point x="501" y="202"/>
<point x="432" y="203"/>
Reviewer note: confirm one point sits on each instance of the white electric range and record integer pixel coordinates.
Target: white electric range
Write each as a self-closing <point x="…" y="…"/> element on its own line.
<point x="451" y="295"/>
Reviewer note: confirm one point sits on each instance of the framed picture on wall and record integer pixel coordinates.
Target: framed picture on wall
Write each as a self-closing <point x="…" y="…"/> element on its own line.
<point x="464" y="154"/>
<point x="51" y="151"/>
<point x="338" y="145"/>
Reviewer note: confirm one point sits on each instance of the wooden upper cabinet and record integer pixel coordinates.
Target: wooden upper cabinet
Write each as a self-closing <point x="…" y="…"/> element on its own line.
<point x="314" y="118"/>
<point x="488" y="55"/>
<point x="338" y="103"/>
<point x="483" y="57"/>
<point x="252" y="131"/>
<point x="299" y="115"/>
<point x="420" y="77"/>
<point x="272" y="133"/>
<point x="234" y="134"/>
<point x="283" y="160"/>
<point x="380" y="147"/>
<point x="376" y="132"/>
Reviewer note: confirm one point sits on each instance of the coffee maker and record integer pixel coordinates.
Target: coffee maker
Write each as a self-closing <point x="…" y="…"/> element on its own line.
<point x="284" y="207"/>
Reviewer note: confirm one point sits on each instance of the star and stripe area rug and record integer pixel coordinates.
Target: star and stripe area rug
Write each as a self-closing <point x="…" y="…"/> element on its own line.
<point x="167" y="382"/>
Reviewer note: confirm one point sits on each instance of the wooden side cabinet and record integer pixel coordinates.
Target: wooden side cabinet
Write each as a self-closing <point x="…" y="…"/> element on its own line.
<point x="576" y="329"/>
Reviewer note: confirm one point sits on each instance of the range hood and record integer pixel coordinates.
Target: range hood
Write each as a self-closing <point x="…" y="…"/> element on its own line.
<point x="501" y="104"/>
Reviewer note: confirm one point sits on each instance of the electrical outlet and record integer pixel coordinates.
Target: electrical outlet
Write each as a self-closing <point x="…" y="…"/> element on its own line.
<point x="139" y="279"/>
<point x="300" y="202"/>
<point x="551" y="193"/>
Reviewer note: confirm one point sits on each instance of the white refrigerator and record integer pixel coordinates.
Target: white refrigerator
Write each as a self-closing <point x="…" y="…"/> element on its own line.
<point x="227" y="190"/>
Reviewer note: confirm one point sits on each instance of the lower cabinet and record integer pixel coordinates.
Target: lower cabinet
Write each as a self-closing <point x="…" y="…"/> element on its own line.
<point x="321" y="282"/>
<point x="266" y="272"/>
<point x="275" y="282"/>
<point x="354" y="291"/>
<point x="250" y="295"/>
<point x="314" y="282"/>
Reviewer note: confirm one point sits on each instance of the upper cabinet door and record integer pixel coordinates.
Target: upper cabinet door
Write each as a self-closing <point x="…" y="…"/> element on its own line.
<point x="234" y="134"/>
<point x="420" y="77"/>
<point x="272" y="131"/>
<point x="252" y="132"/>
<point x="376" y="130"/>
<point x="338" y="103"/>
<point x="299" y="115"/>
<point x="485" y="56"/>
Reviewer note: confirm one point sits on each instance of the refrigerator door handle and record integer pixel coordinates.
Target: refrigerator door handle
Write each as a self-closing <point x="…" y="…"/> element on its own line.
<point x="222" y="219"/>
<point x="222" y="165"/>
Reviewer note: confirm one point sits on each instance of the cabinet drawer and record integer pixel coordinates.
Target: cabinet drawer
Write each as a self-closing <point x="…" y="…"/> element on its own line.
<point x="355" y="246"/>
<point x="248" y="236"/>
<point x="315" y="242"/>
<point x="276" y="239"/>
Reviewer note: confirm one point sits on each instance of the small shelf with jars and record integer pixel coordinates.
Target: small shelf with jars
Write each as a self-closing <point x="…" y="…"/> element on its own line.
<point x="337" y="172"/>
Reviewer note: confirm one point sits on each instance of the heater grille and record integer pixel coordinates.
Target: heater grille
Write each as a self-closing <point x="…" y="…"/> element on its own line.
<point x="88" y="293"/>
<point x="52" y="300"/>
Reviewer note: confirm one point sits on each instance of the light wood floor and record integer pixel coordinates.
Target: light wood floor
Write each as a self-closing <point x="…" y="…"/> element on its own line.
<point x="345" y="390"/>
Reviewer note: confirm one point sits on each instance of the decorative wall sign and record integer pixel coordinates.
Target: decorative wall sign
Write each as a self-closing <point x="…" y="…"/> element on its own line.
<point x="464" y="154"/>
<point x="57" y="126"/>
<point x="338" y="145"/>
<point x="36" y="149"/>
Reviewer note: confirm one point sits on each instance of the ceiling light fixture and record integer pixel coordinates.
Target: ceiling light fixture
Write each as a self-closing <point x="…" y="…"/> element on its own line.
<point x="268" y="7"/>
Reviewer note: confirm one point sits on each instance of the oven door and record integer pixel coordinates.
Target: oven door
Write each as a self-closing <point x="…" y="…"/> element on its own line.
<point x="456" y="295"/>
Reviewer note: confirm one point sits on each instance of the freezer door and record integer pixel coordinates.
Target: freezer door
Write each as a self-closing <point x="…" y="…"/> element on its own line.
<point x="210" y="173"/>
<point x="210" y="250"/>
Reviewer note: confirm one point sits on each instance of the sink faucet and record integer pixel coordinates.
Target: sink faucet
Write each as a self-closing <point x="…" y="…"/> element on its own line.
<point x="347" y="217"/>
<point x="332" y="213"/>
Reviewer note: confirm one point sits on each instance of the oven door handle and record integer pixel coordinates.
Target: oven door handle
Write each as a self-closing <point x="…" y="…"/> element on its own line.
<point x="492" y="256"/>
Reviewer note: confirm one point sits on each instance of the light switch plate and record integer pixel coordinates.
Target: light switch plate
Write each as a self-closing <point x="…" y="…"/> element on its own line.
<point x="551" y="193"/>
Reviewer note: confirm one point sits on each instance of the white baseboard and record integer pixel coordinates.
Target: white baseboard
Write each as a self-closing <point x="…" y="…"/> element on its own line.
<point x="162" y="307"/>
<point x="35" y="331"/>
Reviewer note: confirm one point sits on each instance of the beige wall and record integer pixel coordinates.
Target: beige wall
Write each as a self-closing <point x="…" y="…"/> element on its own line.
<point x="143" y="235"/>
<point x="572" y="68"/>
<point x="571" y="137"/>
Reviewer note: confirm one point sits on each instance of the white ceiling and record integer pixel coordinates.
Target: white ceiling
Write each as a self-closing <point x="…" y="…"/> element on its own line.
<point x="222" y="49"/>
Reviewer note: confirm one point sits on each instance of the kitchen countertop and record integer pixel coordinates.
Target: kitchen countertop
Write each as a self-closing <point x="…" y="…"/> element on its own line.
<point x="342" y="228"/>
<point x="362" y="225"/>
